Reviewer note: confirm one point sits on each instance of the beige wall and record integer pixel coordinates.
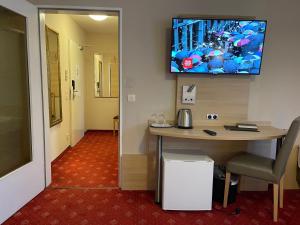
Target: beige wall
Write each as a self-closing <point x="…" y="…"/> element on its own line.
<point x="274" y="95"/>
<point x="99" y="112"/>
<point x="59" y="138"/>
<point x="146" y="35"/>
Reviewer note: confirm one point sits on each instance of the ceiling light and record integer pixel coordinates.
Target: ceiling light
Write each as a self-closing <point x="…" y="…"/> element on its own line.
<point x="98" y="17"/>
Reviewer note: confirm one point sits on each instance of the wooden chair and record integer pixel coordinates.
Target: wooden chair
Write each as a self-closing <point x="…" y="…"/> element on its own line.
<point x="264" y="168"/>
<point x="115" y="124"/>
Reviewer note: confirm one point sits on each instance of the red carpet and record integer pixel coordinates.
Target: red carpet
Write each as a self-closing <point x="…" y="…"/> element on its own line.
<point x="114" y="207"/>
<point x="93" y="162"/>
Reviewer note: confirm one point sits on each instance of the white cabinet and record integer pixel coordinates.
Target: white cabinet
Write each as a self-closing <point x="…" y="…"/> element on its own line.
<point x="187" y="182"/>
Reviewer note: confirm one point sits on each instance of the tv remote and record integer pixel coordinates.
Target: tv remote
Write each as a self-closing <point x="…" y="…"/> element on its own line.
<point x="210" y="132"/>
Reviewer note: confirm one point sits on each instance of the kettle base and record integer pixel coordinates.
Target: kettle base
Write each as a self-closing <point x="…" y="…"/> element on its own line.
<point x="180" y="127"/>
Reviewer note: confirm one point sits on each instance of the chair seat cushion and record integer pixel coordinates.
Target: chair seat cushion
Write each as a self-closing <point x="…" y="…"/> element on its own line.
<point x="253" y="166"/>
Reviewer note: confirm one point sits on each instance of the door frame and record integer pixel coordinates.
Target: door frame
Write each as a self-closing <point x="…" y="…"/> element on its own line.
<point x="41" y="10"/>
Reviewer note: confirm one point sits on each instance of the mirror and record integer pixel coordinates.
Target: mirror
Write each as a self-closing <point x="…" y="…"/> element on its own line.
<point x="106" y="70"/>
<point x="54" y="82"/>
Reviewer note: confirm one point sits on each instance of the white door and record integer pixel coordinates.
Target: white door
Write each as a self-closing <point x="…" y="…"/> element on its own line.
<point x="77" y="91"/>
<point x="22" y="173"/>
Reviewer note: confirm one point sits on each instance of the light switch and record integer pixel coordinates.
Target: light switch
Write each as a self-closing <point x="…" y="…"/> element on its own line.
<point x="188" y="94"/>
<point x="131" y="98"/>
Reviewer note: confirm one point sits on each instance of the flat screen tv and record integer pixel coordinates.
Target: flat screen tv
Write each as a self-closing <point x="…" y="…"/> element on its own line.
<point x="217" y="46"/>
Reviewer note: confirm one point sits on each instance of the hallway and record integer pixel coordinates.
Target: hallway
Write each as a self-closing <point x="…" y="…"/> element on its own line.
<point x="91" y="163"/>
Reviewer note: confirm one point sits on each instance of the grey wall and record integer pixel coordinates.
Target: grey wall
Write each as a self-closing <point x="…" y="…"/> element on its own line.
<point x="146" y="35"/>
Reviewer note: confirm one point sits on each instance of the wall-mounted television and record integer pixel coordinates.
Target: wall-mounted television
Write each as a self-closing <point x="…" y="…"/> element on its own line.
<point x="217" y="46"/>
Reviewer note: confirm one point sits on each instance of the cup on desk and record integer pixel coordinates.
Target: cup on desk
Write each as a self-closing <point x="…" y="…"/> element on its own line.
<point x="158" y="118"/>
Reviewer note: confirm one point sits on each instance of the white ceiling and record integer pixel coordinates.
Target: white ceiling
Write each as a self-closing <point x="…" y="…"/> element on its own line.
<point x="108" y="26"/>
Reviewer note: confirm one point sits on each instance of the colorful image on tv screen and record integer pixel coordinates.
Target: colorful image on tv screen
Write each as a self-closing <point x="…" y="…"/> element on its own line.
<point x="217" y="46"/>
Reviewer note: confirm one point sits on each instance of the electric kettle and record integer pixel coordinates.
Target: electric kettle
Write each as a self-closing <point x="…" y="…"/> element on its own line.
<point x="184" y="119"/>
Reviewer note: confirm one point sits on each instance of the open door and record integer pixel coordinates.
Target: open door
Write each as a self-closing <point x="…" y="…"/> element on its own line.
<point x="22" y="172"/>
<point x="77" y="92"/>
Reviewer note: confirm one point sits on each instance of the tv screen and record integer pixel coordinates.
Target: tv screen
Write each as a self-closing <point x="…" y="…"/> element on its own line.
<point x="217" y="46"/>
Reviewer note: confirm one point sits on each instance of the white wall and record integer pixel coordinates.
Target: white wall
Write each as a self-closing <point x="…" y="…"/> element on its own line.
<point x="59" y="138"/>
<point x="99" y="112"/>
<point x="146" y="40"/>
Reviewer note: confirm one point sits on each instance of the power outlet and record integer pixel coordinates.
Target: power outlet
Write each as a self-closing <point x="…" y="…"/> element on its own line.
<point x="188" y="94"/>
<point x="212" y="116"/>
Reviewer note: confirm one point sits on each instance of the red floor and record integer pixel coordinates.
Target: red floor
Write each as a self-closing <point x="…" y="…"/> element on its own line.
<point x="115" y="207"/>
<point x="91" y="166"/>
<point x="93" y="162"/>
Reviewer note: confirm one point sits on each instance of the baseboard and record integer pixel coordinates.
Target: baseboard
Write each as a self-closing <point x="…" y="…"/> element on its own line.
<point x="61" y="154"/>
<point x="137" y="172"/>
<point x="95" y="130"/>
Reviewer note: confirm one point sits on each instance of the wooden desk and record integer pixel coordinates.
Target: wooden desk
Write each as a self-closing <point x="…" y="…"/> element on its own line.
<point x="266" y="133"/>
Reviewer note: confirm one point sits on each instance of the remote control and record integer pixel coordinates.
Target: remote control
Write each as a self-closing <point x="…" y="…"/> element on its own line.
<point x="210" y="132"/>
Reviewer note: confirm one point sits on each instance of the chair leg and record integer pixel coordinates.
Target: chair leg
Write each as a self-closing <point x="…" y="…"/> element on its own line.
<point x="275" y="202"/>
<point x="226" y="189"/>
<point x="239" y="184"/>
<point x="281" y="190"/>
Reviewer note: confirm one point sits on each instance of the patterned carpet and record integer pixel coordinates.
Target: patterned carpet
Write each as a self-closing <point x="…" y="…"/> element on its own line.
<point x="78" y="196"/>
<point x="92" y="163"/>
<point x="115" y="207"/>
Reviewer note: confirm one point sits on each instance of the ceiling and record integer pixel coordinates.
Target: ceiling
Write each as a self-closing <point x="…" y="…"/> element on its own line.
<point x="108" y="26"/>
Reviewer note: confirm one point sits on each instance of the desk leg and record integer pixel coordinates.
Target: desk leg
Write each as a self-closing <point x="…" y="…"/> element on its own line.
<point x="158" y="169"/>
<point x="278" y="145"/>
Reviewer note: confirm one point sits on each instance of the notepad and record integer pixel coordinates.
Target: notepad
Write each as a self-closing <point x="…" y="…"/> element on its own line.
<point x="246" y="125"/>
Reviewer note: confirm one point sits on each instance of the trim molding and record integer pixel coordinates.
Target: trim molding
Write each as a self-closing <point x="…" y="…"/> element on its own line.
<point x="138" y="171"/>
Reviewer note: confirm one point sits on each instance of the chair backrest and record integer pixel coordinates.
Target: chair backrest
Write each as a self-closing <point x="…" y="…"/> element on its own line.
<point x="286" y="148"/>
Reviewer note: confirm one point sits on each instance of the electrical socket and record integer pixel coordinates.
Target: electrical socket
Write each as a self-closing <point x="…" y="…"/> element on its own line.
<point x="212" y="116"/>
<point x="188" y="100"/>
<point x="188" y="94"/>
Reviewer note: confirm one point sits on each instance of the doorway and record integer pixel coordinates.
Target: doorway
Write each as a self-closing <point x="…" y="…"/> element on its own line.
<point x="90" y="97"/>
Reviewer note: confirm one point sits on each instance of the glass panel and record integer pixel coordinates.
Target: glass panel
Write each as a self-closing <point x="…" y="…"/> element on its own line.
<point x="54" y="82"/>
<point x="15" y="133"/>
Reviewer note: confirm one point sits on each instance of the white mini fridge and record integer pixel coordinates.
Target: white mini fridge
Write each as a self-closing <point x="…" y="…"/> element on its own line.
<point x="187" y="181"/>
